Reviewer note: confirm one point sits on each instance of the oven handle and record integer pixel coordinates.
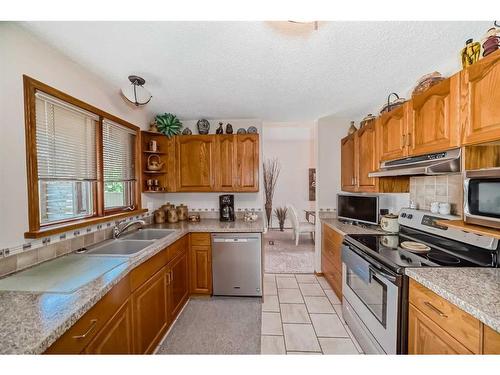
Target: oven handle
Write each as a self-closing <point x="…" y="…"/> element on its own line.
<point x="375" y="272"/>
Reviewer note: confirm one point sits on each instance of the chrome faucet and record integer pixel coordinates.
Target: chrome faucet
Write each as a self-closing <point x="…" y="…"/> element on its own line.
<point x="122" y="226"/>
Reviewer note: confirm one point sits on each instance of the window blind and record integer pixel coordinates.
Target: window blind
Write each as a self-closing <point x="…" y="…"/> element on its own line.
<point x="65" y="140"/>
<point x="118" y="152"/>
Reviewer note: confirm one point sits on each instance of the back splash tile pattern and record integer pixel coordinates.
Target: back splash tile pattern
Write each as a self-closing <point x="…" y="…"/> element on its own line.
<point x="427" y="189"/>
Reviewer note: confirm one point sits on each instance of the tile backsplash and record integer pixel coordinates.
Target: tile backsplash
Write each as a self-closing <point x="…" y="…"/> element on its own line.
<point x="447" y="188"/>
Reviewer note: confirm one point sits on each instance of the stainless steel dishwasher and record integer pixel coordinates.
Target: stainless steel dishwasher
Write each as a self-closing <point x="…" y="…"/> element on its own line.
<point x="237" y="264"/>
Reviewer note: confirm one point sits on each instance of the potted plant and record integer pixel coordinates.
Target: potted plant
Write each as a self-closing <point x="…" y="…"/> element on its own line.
<point x="280" y="213"/>
<point x="168" y="124"/>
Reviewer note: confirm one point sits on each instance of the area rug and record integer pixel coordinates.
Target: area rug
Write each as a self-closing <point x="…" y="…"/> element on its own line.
<point x="217" y="325"/>
<point x="282" y="256"/>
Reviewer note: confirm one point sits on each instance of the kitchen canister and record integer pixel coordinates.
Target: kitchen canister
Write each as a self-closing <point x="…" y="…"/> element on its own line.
<point x="172" y="215"/>
<point x="182" y="212"/>
<point x="435" y="207"/>
<point x="159" y="216"/>
<point x="389" y="223"/>
<point x="444" y="208"/>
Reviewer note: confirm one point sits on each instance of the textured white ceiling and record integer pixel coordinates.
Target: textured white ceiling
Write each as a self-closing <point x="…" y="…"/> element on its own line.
<point x="275" y="71"/>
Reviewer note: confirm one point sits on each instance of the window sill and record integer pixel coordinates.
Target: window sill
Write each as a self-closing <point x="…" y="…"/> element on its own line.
<point x="61" y="228"/>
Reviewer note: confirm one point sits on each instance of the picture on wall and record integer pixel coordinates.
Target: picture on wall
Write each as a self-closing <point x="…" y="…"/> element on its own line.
<point x="312" y="184"/>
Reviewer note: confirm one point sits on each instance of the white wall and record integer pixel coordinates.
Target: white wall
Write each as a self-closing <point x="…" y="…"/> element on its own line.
<point x="22" y="53"/>
<point x="293" y="145"/>
<point x="210" y="201"/>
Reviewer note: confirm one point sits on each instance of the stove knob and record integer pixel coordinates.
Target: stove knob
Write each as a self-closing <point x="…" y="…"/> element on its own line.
<point x="403" y="214"/>
<point x="410" y="216"/>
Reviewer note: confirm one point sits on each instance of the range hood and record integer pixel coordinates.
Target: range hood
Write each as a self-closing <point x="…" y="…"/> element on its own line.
<point x="429" y="164"/>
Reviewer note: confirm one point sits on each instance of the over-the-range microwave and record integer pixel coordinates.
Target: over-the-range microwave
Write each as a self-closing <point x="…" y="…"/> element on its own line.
<point x="482" y="197"/>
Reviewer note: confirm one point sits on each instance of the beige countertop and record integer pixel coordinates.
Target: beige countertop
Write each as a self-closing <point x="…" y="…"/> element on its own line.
<point x="31" y="322"/>
<point x="474" y="290"/>
<point x="344" y="228"/>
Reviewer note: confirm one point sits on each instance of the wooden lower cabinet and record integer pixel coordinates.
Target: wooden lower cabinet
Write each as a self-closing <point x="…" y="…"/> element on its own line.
<point x="116" y="337"/>
<point x="200" y="254"/>
<point x="178" y="286"/>
<point x="331" y="258"/>
<point x="436" y="326"/>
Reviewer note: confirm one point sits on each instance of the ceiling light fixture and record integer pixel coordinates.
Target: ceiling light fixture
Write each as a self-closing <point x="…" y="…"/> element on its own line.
<point x="136" y="93"/>
<point x="315" y="23"/>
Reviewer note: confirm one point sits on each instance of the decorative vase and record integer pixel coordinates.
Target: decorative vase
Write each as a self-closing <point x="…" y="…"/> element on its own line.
<point x="269" y="213"/>
<point x="229" y="129"/>
<point x="352" y="128"/>
<point x="203" y="126"/>
<point x="471" y="52"/>
<point x="491" y="41"/>
<point x="219" y="129"/>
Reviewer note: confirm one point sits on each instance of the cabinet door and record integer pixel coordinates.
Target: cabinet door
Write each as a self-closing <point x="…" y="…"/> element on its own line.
<point x="426" y="337"/>
<point x="116" y="335"/>
<point x="195" y="163"/>
<point x="480" y="98"/>
<point x="391" y="128"/>
<point x="247" y="162"/>
<point x="178" y="289"/>
<point x="201" y="269"/>
<point x="150" y="303"/>
<point x="367" y="160"/>
<point x="491" y="341"/>
<point x="347" y="170"/>
<point x="433" y="123"/>
<point x="226" y="163"/>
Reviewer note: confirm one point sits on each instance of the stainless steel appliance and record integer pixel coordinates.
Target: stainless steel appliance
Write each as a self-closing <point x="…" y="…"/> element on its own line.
<point x="358" y="208"/>
<point x="429" y="164"/>
<point x="237" y="264"/>
<point x="226" y="207"/>
<point x="482" y="197"/>
<point x="374" y="285"/>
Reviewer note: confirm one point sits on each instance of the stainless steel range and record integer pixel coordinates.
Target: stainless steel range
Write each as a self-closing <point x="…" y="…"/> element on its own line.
<point x="374" y="285"/>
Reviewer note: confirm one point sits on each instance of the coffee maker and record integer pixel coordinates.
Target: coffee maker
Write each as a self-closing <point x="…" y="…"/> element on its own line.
<point x="226" y="207"/>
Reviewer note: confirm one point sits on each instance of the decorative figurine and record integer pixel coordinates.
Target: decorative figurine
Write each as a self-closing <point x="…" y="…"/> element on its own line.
<point x="203" y="126"/>
<point x="219" y="130"/>
<point x="352" y="128"/>
<point x="491" y="41"/>
<point x="241" y="131"/>
<point x="252" y="130"/>
<point x="471" y="52"/>
<point x="229" y="129"/>
<point x="187" y="131"/>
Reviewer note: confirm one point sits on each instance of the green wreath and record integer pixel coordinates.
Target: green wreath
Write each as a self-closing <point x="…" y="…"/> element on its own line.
<point x="168" y="124"/>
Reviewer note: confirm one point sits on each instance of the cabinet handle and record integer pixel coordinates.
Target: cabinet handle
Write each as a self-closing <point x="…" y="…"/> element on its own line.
<point x="168" y="278"/>
<point x="93" y="322"/>
<point x="403" y="139"/>
<point x="409" y="139"/>
<point x="171" y="276"/>
<point x="435" y="309"/>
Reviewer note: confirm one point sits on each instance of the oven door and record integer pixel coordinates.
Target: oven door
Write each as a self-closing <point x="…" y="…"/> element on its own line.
<point x="482" y="199"/>
<point x="373" y="291"/>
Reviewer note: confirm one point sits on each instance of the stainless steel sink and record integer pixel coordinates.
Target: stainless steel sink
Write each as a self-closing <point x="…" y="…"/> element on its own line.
<point x="149" y="234"/>
<point x="119" y="248"/>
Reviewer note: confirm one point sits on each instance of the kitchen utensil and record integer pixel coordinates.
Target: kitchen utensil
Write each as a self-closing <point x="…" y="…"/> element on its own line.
<point x="389" y="223"/>
<point x="154" y="163"/>
<point x="434" y="207"/>
<point x="182" y="212"/>
<point x="444" y="208"/>
<point x="415" y="247"/>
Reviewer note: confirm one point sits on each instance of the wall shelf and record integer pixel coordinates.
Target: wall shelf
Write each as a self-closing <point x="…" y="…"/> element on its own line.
<point x="154" y="152"/>
<point x="155" y="172"/>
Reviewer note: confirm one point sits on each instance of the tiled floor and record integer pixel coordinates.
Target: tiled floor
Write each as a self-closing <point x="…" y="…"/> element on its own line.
<point x="302" y="315"/>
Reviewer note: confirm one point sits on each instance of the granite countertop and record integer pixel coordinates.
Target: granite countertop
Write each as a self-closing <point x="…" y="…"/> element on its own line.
<point x="31" y="322"/>
<point x="345" y="229"/>
<point x="474" y="290"/>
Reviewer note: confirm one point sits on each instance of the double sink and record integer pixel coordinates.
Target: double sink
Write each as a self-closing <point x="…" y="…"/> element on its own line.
<point x="130" y="244"/>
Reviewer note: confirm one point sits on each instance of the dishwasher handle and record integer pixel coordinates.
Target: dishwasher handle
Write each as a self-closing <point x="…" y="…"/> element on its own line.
<point x="233" y="240"/>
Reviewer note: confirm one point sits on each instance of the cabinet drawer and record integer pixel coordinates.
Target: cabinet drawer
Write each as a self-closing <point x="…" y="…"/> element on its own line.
<point x="143" y="272"/>
<point x="200" y="239"/>
<point x="177" y="247"/>
<point x="81" y="333"/>
<point x="460" y="325"/>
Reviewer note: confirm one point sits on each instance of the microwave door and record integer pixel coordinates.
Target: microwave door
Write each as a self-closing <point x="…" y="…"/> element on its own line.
<point x="482" y="201"/>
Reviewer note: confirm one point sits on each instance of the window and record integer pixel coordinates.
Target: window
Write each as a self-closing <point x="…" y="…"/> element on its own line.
<point x="118" y="143"/>
<point x="81" y="161"/>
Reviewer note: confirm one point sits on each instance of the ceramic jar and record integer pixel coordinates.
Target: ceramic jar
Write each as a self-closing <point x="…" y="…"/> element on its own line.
<point x="434" y="207"/>
<point x="172" y="215"/>
<point x="444" y="208"/>
<point x="389" y="223"/>
<point x="471" y="52"/>
<point x="182" y="212"/>
<point x="159" y="216"/>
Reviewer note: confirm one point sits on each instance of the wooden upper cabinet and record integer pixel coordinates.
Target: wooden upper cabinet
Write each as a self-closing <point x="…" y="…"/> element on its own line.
<point x="433" y="120"/>
<point x="195" y="163"/>
<point x="348" y="165"/>
<point x="480" y="98"/>
<point x="247" y="162"/>
<point x="367" y="157"/>
<point x="391" y="128"/>
<point x="225" y="162"/>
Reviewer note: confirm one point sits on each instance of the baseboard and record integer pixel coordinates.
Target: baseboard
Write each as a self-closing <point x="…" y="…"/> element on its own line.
<point x="319" y="273"/>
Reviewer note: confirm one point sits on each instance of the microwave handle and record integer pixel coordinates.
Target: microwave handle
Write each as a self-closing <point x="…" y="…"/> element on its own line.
<point x="466" y="196"/>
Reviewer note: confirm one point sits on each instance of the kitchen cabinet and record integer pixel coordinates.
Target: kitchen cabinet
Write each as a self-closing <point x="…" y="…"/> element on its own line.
<point x="178" y="285"/>
<point x="391" y="133"/>
<point x="150" y="306"/>
<point x="195" y="163"/>
<point x="433" y="118"/>
<point x="226" y="162"/>
<point x="331" y="258"/>
<point x="436" y="326"/>
<point x="359" y="157"/>
<point x="480" y="95"/>
<point x="201" y="263"/>
<point x="116" y="336"/>
<point x="247" y="162"/>
<point x="347" y="155"/>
